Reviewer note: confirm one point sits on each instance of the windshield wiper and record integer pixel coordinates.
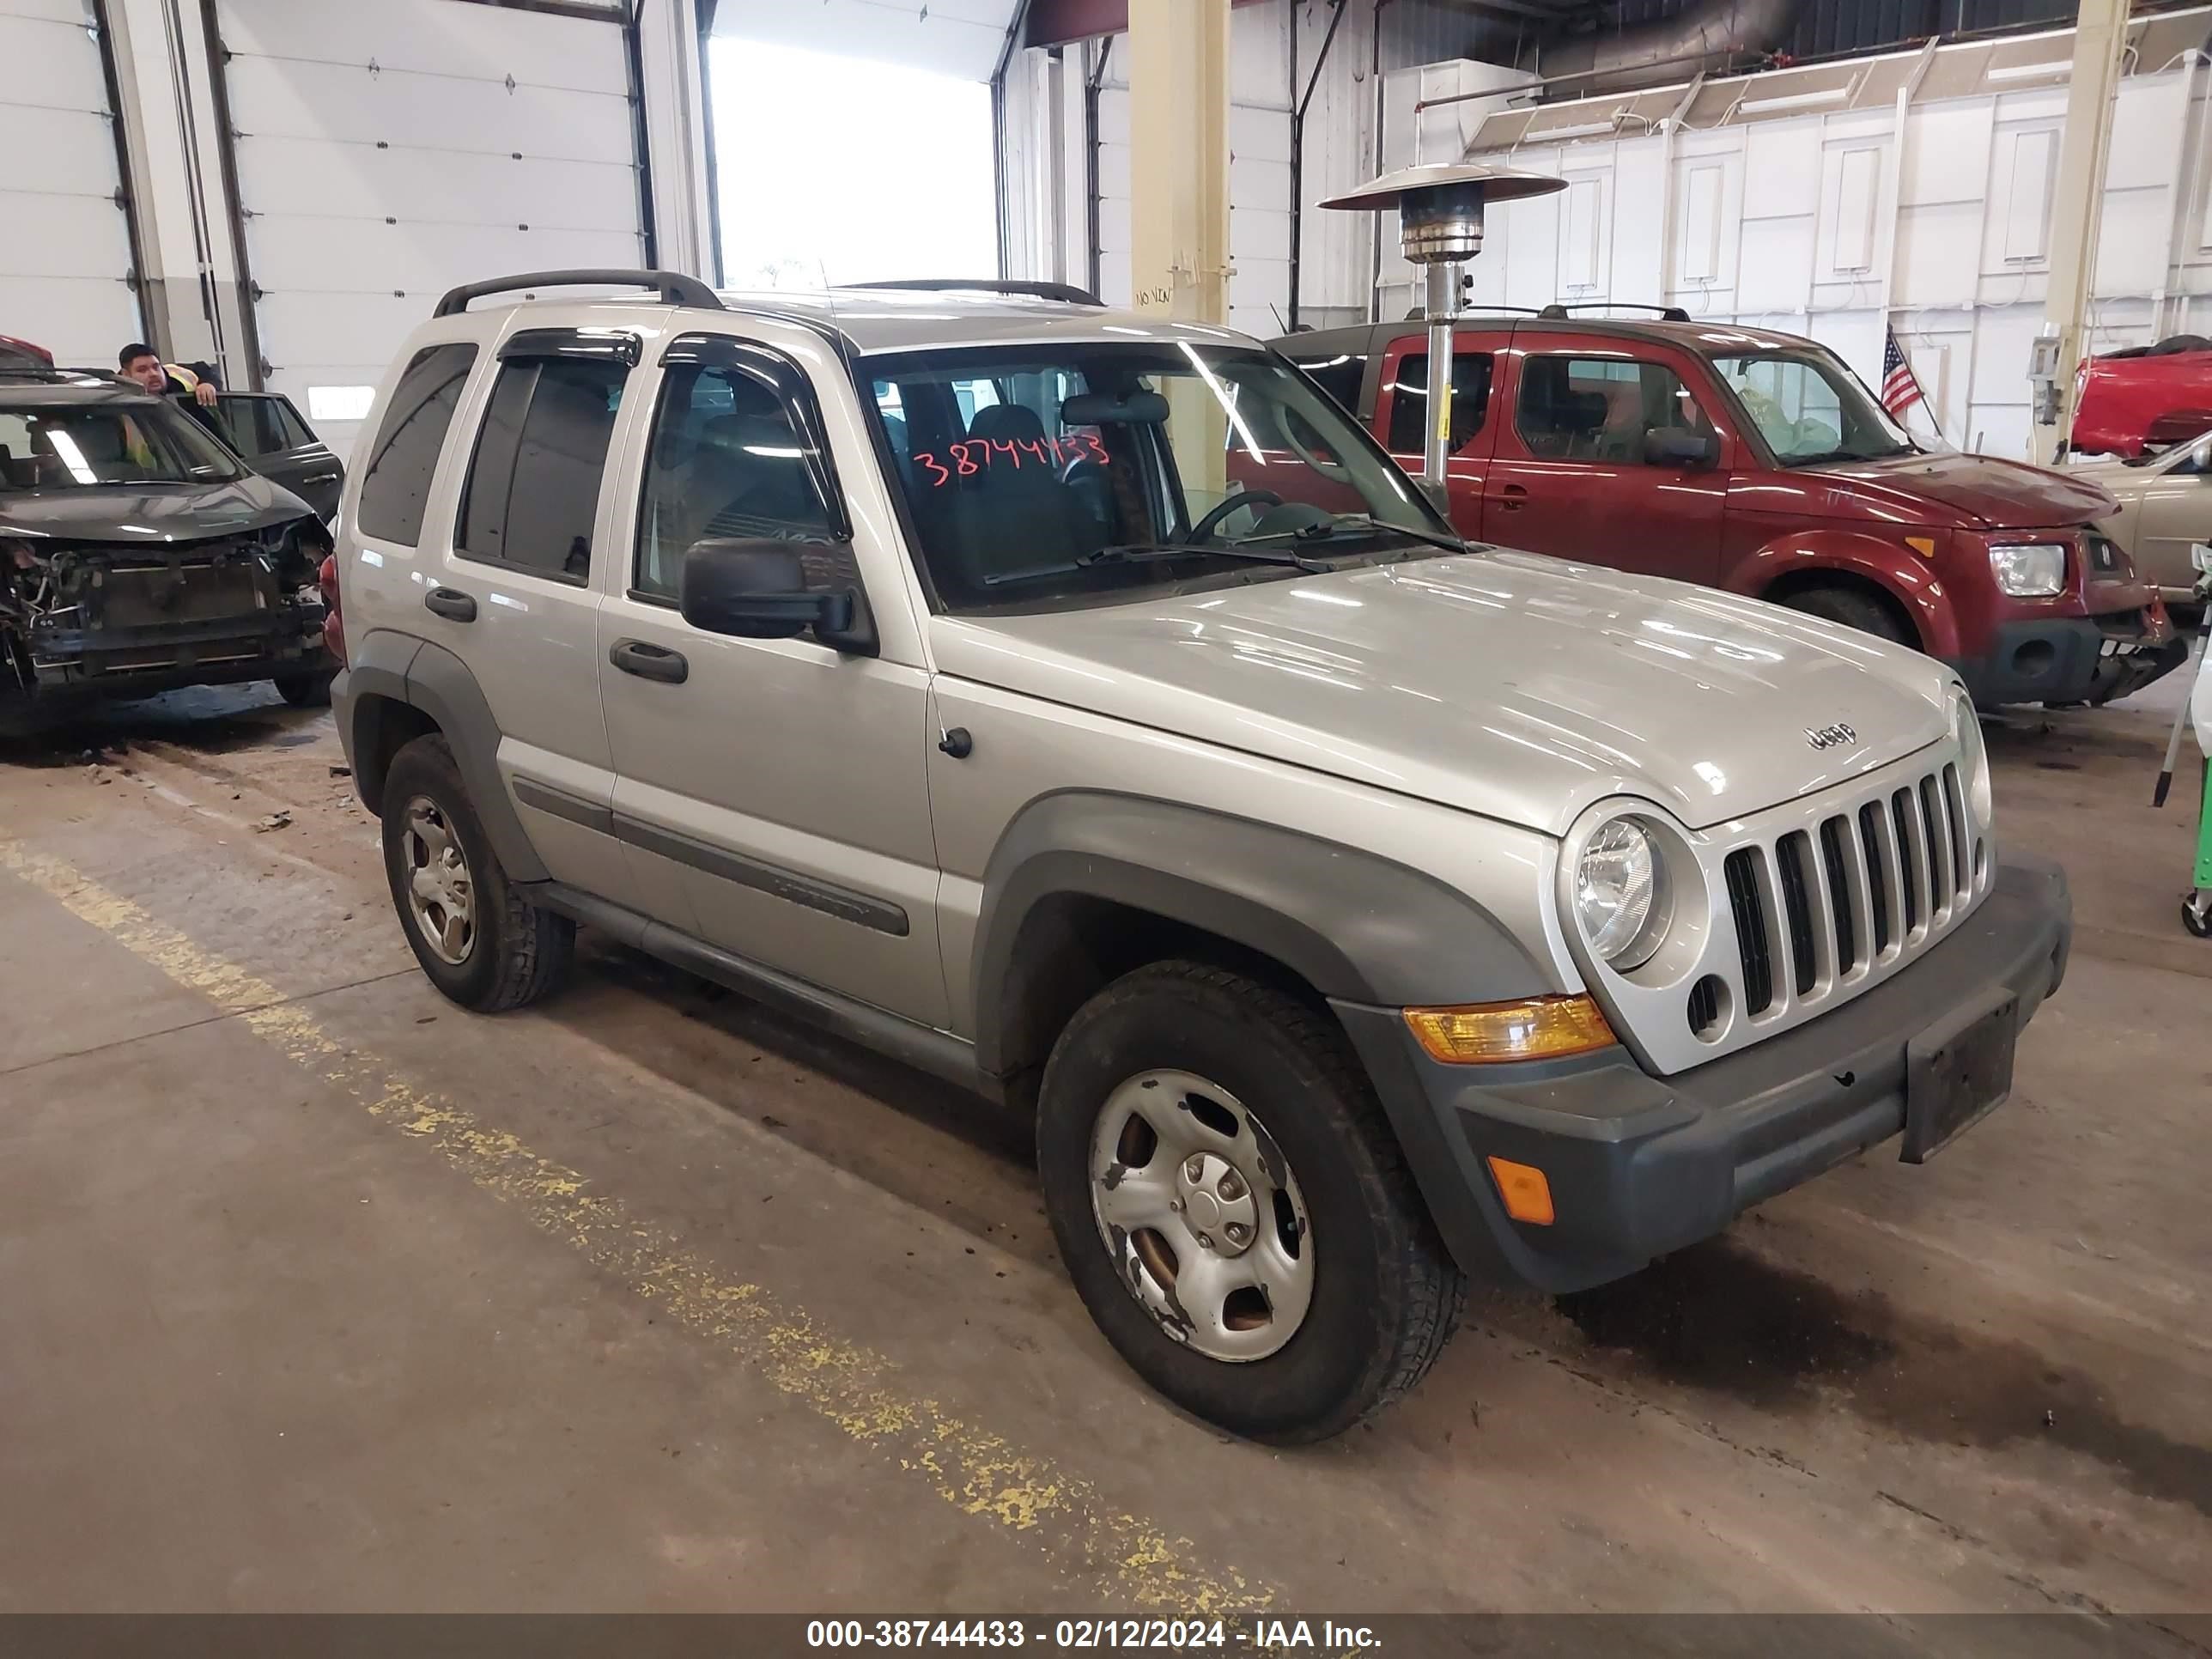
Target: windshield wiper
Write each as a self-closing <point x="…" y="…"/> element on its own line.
<point x="1825" y="456"/>
<point x="1360" y="521"/>
<point x="1133" y="552"/>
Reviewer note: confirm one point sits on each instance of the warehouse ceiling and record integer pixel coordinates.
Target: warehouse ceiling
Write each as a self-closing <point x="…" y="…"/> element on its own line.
<point x="1568" y="36"/>
<point x="1820" y="27"/>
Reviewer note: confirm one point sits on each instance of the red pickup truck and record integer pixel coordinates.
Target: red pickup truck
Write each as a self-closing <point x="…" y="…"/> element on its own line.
<point x="1757" y="462"/>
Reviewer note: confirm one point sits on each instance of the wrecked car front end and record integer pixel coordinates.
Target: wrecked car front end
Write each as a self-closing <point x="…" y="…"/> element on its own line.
<point x="105" y="619"/>
<point x="125" y="585"/>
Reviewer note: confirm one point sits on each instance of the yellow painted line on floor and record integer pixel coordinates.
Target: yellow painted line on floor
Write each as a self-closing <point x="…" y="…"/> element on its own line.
<point x="1097" y="1547"/>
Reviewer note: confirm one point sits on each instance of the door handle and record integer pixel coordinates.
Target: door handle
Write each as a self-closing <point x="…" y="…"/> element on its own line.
<point x="1512" y="497"/>
<point x="649" y="662"/>
<point x="450" y="604"/>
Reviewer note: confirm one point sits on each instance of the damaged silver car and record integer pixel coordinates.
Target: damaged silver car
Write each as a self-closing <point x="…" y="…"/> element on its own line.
<point x="137" y="554"/>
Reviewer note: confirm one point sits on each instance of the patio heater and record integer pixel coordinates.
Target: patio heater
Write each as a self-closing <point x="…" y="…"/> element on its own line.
<point x="1439" y="229"/>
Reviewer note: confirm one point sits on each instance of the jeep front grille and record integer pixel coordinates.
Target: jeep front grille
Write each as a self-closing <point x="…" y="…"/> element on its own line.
<point x="1903" y="855"/>
<point x="1796" y="909"/>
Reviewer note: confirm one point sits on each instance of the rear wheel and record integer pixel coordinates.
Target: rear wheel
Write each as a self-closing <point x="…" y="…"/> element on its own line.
<point x="481" y="942"/>
<point x="1233" y="1208"/>
<point x="1854" y="609"/>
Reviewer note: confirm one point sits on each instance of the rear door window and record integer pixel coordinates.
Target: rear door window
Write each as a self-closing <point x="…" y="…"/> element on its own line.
<point x="1409" y="400"/>
<point x="533" y="487"/>
<point x="249" y="425"/>
<point x="396" y="488"/>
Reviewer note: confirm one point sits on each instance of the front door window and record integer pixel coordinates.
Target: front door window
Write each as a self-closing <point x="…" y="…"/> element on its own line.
<point x="1601" y="409"/>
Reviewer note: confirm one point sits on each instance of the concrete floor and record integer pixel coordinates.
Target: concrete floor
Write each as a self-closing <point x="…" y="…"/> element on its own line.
<point x="320" y="1294"/>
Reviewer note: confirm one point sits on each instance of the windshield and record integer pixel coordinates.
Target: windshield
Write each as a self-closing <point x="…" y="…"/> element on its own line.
<point x="1041" y="477"/>
<point x="85" y="445"/>
<point x="1810" y="408"/>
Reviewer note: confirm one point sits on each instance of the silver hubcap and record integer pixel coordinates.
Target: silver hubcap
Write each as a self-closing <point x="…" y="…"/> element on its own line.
<point x="441" y="893"/>
<point x="1201" y="1214"/>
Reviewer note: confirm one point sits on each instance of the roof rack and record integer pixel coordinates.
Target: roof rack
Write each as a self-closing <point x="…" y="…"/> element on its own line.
<point x="1066" y="293"/>
<point x="675" y="288"/>
<point x="1557" y="312"/>
<point x="44" y="374"/>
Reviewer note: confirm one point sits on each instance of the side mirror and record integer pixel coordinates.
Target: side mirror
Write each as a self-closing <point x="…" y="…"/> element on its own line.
<point x="2199" y="459"/>
<point x="1677" y="446"/>
<point x="756" y="590"/>
<point x="2200" y="556"/>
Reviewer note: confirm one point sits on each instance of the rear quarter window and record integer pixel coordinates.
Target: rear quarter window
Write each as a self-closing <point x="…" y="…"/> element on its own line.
<point x="396" y="488"/>
<point x="1339" y="375"/>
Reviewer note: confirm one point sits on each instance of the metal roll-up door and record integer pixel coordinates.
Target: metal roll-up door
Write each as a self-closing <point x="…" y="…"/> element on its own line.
<point x="65" y="259"/>
<point x="387" y="153"/>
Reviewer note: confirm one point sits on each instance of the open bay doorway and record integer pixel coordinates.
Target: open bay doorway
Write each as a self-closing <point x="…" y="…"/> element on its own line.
<point x="845" y="170"/>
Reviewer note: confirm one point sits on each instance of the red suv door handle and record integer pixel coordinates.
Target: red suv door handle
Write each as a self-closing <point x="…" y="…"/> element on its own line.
<point x="1511" y="497"/>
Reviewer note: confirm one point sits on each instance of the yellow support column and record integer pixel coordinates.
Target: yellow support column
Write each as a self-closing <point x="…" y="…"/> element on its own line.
<point x="2077" y="201"/>
<point x="1179" y="203"/>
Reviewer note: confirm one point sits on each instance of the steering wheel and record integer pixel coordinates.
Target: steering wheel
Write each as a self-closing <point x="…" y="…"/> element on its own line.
<point x="1205" y="527"/>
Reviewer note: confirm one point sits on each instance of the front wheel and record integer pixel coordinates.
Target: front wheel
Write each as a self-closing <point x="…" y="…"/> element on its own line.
<point x="1233" y="1208"/>
<point x="308" y="690"/>
<point x="1853" y="610"/>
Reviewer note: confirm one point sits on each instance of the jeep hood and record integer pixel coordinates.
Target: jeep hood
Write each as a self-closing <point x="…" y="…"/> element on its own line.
<point x="149" y="515"/>
<point x="1517" y="687"/>
<point x="1967" y="492"/>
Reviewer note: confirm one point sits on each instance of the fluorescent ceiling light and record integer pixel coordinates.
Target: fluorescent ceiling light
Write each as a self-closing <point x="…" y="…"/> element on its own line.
<point x="1794" y="100"/>
<point x="2028" y="71"/>
<point x="1580" y="130"/>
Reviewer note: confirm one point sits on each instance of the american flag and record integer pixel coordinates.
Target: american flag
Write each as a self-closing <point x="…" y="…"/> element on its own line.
<point x="1900" y="389"/>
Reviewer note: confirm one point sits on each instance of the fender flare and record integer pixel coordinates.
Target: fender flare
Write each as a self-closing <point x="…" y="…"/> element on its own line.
<point x="1356" y="926"/>
<point x="1914" y="583"/>
<point x="397" y="667"/>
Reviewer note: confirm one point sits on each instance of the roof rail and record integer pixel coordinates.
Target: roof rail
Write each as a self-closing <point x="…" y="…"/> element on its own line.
<point x="1556" y="311"/>
<point x="47" y="374"/>
<point x="675" y="288"/>
<point x="1066" y="293"/>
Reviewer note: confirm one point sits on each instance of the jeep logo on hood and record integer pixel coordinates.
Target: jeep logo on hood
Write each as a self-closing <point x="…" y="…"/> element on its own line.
<point x="1831" y="737"/>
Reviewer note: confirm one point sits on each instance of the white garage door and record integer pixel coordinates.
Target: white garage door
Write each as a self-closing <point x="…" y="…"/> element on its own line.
<point x="65" y="243"/>
<point x="387" y="153"/>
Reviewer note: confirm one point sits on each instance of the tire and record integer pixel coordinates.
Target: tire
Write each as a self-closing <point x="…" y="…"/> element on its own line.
<point x="512" y="952"/>
<point x="1381" y="1297"/>
<point x="1854" y="609"/>
<point x="2199" y="926"/>
<point x="308" y="690"/>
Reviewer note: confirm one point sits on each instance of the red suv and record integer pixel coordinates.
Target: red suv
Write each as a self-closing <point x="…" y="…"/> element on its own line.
<point x="1758" y="462"/>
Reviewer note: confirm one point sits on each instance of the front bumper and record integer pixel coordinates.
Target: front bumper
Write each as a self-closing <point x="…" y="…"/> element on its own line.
<point x="2073" y="659"/>
<point x="77" y="665"/>
<point x="1640" y="1166"/>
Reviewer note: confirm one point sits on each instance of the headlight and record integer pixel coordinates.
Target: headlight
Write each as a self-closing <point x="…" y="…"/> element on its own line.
<point x="2034" y="572"/>
<point x="1620" y="894"/>
<point x="1973" y="760"/>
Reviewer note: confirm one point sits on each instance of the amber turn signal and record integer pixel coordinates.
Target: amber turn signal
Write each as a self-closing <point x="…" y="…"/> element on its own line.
<point x="1487" y="1033"/>
<point x="1528" y="1195"/>
<point x="1923" y="545"/>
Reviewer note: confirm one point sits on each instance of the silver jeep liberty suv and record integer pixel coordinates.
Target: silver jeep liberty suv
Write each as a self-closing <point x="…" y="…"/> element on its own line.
<point x="1080" y="706"/>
